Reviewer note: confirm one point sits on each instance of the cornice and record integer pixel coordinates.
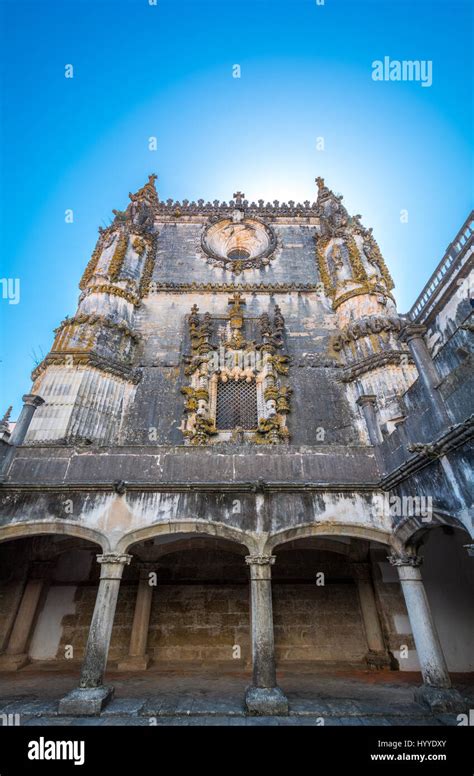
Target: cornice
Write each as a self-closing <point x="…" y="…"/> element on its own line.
<point x="375" y="362"/>
<point x="81" y="358"/>
<point x="277" y="288"/>
<point x="425" y="454"/>
<point x="205" y="487"/>
<point x="261" y="209"/>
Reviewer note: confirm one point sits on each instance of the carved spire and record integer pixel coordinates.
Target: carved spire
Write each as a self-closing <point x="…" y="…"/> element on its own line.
<point x="4" y="425"/>
<point x="349" y="259"/>
<point x="142" y="207"/>
<point x="147" y="194"/>
<point x="278" y="320"/>
<point x="329" y="206"/>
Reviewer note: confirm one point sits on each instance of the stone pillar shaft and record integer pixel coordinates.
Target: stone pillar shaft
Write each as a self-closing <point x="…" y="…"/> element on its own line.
<point x="368" y="405"/>
<point x="377" y="652"/>
<point x="16" y="654"/>
<point x="30" y="405"/>
<point x="412" y="334"/>
<point x="436" y="691"/>
<point x="263" y="648"/>
<point x="264" y="696"/>
<point x="141" y="619"/>
<point x="137" y="658"/>
<point x="100" y="631"/>
<point x="428" y="647"/>
<point x="24" y="618"/>
<point x="424" y="364"/>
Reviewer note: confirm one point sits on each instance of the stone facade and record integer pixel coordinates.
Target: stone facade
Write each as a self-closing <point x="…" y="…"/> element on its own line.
<point x="243" y="430"/>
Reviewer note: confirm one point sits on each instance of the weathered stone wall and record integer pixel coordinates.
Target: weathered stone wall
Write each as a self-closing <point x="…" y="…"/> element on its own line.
<point x="316" y="622"/>
<point x="180" y="258"/>
<point x="200" y="623"/>
<point x="321" y="400"/>
<point x="13" y="571"/>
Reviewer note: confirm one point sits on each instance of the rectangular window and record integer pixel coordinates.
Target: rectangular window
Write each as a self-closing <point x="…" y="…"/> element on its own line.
<point x="236" y="405"/>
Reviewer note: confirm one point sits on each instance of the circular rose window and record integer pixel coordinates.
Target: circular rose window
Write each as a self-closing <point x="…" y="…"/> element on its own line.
<point x="239" y="245"/>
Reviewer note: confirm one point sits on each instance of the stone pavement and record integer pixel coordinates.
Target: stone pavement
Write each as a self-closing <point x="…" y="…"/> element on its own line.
<point x="206" y="697"/>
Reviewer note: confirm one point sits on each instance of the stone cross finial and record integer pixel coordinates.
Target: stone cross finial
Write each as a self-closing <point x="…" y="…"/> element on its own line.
<point x="239" y="196"/>
<point x="236" y="300"/>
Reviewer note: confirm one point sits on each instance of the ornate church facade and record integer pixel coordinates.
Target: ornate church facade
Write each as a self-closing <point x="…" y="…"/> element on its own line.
<point x="238" y="452"/>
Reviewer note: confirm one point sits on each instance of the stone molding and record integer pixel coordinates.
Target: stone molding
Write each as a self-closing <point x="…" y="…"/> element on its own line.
<point x="260" y="560"/>
<point x="394" y="357"/>
<point x="113" y="557"/>
<point x="404" y="559"/>
<point x="277" y="288"/>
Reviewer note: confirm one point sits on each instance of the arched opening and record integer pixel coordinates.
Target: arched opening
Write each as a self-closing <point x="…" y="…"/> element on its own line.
<point x="47" y="584"/>
<point x="448" y="576"/>
<point x="198" y="607"/>
<point x="318" y="618"/>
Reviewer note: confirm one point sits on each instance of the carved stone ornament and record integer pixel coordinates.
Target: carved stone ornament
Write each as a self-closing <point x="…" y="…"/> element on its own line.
<point x="227" y="357"/>
<point x="238" y="243"/>
<point x="364" y="327"/>
<point x="260" y="560"/>
<point x="404" y="559"/>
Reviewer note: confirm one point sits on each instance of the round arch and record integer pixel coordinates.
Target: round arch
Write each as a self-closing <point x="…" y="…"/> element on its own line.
<point x="189" y="527"/>
<point x="63" y="528"/>
<point x="325" y="544"/>
<point x="411" y="531"/>
<point x="326" y="530"/>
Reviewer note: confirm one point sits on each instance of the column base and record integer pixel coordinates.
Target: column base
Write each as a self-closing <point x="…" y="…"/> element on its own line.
<point x="266" y="700"/>
<point x="377" y="660"/>
<point x="134" y="663"/>
<point x="440" y="699"/>
<point x="13" y="662"/>
<point x="85" y="701"/>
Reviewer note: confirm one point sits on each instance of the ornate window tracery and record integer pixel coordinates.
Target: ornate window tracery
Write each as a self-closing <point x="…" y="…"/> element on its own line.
<point x="236" y="385"/>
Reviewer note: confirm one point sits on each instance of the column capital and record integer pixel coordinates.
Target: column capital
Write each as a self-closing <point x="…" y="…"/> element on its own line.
<point x="405" y="559"/>
<point x="260" y="560"/>
<point x="114" y="557"/>
<point x="412" y="331"/>
<point x="113" y="564"/>
<point x="32" y="400"/>
<point x="260" y="566"/>
<point x="367" y="399"/>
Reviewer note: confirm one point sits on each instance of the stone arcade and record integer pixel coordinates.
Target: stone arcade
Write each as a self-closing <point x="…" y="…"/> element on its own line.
<point x="197" y="474"/>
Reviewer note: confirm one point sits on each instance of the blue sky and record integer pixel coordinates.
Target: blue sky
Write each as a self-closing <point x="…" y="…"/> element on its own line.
<point x="166" y="70"/>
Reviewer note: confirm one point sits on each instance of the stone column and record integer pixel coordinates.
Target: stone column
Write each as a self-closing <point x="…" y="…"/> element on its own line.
<point x="368" y="404"/>
<point x="377" y="656"/>
<point x="436" y="691"/>
<point x="264" y="696"/>
<point x="91" y="695"/>
<point x="7" y="451"/>
<point x="413" y="335"/>
<point x="137" y="659"/>
<point x="30" y="404"/>
<point x="16" y="655"/>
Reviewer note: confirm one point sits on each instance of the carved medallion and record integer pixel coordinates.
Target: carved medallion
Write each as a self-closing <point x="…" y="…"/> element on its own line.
<point x="238" y="243"/>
